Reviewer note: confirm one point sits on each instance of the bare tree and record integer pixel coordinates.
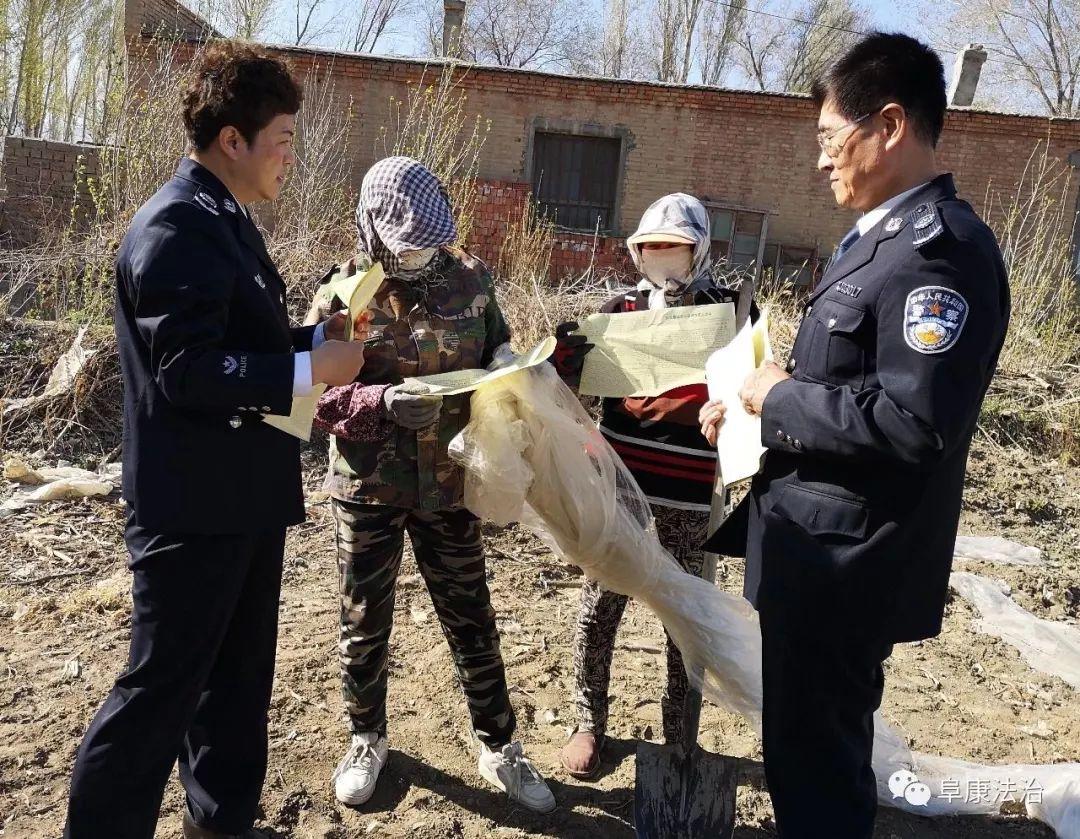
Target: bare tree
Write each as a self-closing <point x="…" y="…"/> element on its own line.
<point x="370" y="21"/>
<point x="520" y="33"/>
<point x="244" y="19"/>
<point x="719" y="29"/>
<point x="829" y="28"/>
<point x="309" y="26"/>
<point x="1034" y="48"/>
<point x="785" y="47"/>
<point x="674" y="25"/>
<point x="614" y="49"/>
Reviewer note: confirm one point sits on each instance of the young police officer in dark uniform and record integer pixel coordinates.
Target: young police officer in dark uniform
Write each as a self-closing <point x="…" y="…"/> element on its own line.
<point x="206" y="349"/>
<point x="849" y="530"/>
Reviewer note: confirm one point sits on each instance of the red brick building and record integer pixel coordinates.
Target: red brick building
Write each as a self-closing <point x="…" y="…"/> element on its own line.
<point x="597" y="152"/>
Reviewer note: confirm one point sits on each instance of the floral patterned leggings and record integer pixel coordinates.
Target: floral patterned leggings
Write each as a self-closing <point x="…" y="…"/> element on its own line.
<point x="682" y="532"/>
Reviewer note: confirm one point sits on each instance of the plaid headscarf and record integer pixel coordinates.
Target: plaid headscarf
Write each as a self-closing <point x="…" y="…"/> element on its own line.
<point x="402" y="207"/>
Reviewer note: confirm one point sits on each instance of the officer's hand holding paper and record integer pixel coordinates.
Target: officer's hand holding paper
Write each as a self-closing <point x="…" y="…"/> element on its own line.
<point x="725" y="419"/>
<point x="355" y="291"/>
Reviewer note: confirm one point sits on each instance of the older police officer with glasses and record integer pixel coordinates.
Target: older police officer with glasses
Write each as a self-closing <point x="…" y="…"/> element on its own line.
<point x="848" y="531"/>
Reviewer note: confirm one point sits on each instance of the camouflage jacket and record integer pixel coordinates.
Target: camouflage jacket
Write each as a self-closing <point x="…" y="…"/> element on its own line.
<point x="452" y="322"/>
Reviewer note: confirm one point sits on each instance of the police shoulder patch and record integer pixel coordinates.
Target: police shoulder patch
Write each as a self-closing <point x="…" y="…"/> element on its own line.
<point x="926" y="224"/>
<point x="934" y="317"/>
<point x="207" y="202"/>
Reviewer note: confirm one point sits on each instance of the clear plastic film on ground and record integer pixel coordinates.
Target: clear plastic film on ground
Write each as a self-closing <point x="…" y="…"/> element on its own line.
<point x="532" y="455"/>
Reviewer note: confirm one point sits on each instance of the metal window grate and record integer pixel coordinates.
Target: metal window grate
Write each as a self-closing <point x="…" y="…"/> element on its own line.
<point x="575" y="179"/>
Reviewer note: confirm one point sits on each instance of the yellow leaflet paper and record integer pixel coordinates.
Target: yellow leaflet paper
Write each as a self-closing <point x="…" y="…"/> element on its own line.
<point x="355" y="292"/>
<point x="298" y="422"/>
<point x="650" y="352"/>
<point x="738" y="445"/>
<point x="462" y="381"/>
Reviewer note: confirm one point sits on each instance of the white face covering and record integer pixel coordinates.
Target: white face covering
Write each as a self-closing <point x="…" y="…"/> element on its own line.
<point x="412" y="261"/>
<point x="668" y="269"/>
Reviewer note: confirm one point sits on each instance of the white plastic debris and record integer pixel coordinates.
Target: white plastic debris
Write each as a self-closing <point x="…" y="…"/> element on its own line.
<point x="1048" y="646"/>
<point x="64" y="373"/>
<point x="996" y="549"/>
<point x="1049" y="793"/>
<point x="531" y="454"/>
<point x="53" y="484"/>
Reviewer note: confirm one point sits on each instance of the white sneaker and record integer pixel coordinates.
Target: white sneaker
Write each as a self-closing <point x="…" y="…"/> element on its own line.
<point x="356" y="775"/>
<point x="509" y="770"/>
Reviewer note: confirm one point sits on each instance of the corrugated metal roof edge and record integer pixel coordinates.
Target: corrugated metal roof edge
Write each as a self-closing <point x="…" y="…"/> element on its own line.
<point x="436" y="61"/>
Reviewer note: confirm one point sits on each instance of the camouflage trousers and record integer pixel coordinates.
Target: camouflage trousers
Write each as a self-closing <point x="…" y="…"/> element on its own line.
<point x="449" y="553"/>
<point x="682" y="532"/>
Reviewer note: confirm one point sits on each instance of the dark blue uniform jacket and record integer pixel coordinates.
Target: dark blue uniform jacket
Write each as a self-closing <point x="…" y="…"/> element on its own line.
<point x="205" y="350"/>
<point x="857" y="506"/>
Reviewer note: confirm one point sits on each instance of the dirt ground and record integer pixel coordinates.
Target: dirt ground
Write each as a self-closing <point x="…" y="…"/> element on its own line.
<point x="64" y="600"/>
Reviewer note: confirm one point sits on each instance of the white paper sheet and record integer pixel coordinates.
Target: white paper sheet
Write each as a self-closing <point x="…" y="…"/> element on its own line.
<point x="738" y="445"/>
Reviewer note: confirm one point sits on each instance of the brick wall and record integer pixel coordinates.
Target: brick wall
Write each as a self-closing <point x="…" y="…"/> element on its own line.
<point x="164" y="18"/>
<point x="40" y="186"/>
<point x="751" y="150"/>
<point x="746" y="149"/>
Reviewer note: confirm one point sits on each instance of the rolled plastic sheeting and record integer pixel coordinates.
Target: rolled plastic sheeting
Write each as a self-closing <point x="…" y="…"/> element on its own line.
<point x="1048" y="646"/>
<point x="531" y="454"/>
<point x="996" y="549"/>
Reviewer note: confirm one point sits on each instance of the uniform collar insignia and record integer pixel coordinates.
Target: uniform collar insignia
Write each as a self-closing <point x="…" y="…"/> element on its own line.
<point x="207" y="202"/>
<point x="927" y="224"/>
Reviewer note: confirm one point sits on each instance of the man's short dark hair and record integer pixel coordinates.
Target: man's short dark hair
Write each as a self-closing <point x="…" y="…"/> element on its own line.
<point x="883" y="68"/>
<point x="238" y="85"/>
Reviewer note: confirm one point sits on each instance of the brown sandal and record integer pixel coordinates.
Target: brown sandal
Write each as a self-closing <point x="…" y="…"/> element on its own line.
<point x="592" y="771"/>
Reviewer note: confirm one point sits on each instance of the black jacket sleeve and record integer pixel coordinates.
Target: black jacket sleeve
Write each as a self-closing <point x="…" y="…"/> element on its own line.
<point x="302" y="338"/>
<point x="924" y="402"/>
<point x="181" y="276"/>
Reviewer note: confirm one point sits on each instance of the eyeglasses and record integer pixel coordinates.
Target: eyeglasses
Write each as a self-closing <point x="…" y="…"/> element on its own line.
<point x="827" y="142"/>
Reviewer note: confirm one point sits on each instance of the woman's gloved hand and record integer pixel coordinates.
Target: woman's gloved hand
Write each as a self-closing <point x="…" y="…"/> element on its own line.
<point x="570" y="352"/>
<point x="411" y="406"/>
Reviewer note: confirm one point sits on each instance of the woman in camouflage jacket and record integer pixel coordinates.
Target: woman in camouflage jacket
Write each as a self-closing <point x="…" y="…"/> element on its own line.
<point x="390" y="473"/>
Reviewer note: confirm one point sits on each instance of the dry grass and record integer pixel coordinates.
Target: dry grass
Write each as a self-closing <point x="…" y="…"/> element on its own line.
<point x="1032" y="403"/>
<point x="1034" y="230"/>
<point x="83" y="424"/>
<point x="432" y="125"/>
<point x="1033" y="400"/>
<point x="534" y="305"/>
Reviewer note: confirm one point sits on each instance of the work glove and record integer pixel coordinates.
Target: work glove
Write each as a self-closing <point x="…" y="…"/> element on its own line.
<point x="570" y="352"/>
<point x="411" y="406"/>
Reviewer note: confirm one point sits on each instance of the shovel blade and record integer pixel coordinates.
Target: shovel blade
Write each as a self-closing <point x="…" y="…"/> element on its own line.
<point x="684" y="795"/>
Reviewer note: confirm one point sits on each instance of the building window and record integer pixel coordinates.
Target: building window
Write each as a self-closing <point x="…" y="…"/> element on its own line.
<point x="575" y="179"/>
<point x="738" y="234"/>
<point x="797" y="265"/>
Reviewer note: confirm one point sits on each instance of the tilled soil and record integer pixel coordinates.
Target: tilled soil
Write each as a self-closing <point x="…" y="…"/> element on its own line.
<point x="64" y="600"/>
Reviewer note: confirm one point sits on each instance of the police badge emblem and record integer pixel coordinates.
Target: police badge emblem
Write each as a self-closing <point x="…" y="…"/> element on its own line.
<point x="894" y="224"/>
<point x="934" y="318"/>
